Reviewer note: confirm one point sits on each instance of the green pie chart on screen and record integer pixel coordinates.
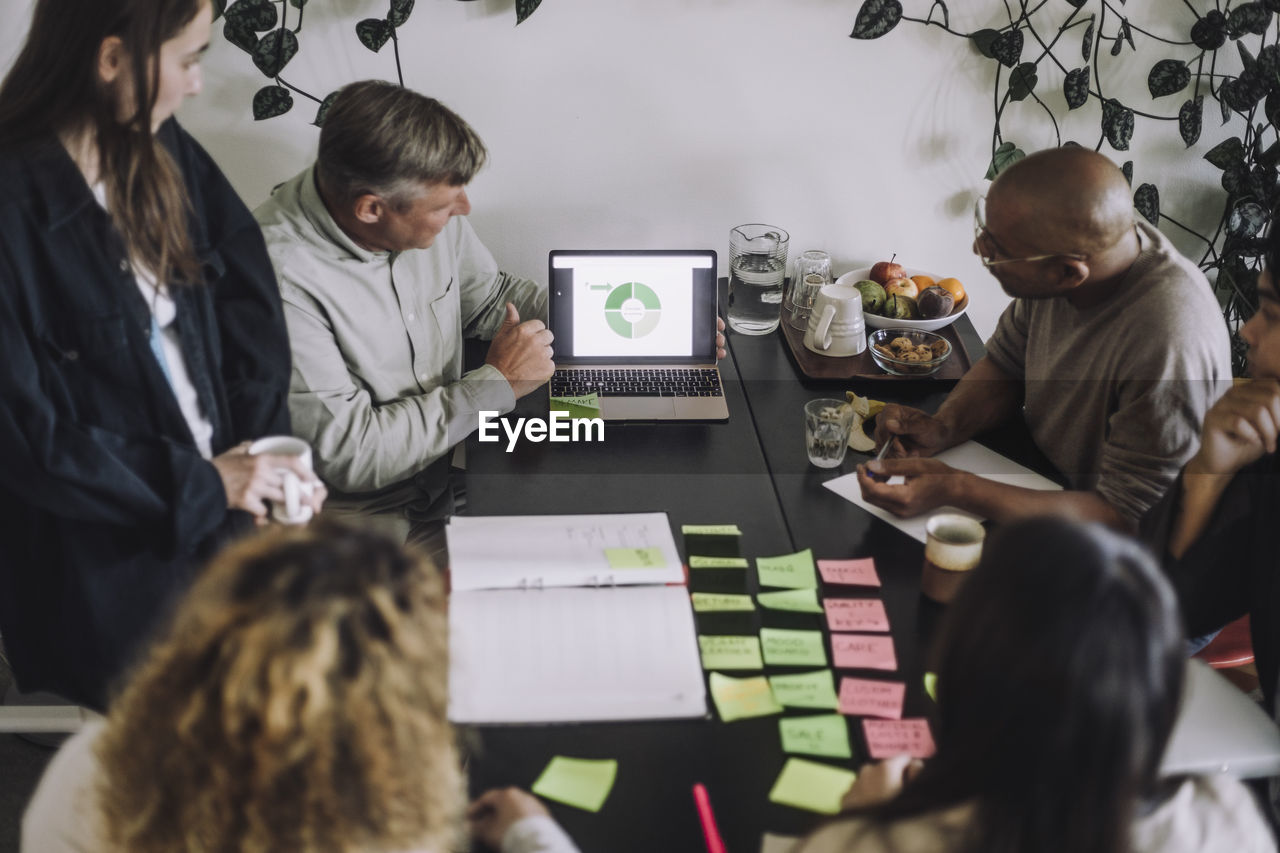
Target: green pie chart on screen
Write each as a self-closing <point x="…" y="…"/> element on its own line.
<point x="632" y="309"/>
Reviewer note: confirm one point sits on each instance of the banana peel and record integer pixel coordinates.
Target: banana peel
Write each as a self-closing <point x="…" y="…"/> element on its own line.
<point x="863" y="409"/>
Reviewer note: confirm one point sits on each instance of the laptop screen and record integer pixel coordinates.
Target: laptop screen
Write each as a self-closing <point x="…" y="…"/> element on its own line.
<point x="637" y="306"/>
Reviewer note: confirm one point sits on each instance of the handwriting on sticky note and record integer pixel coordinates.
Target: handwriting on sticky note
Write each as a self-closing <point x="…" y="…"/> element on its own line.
<point x="826" y="735"/>
<point x="785" y="647"/>
<point x="806" y="690"/>
<point x="713" y="602"/>
<point x="635" y="558"/>
<point x="717" y="562"/>
<point x="863" y="651"/>
<point x="710" y="530"/>
<point x="739" y="698"/>
<point x="850" y="572"/>
<point x="887" y="738"/>
<point x="720" y="651"/>
<point x="580" y="406"/>
<point x="794" y="600"/>
<point x="866" y="698"/>
<point x="790" y="571"/>
<point x="579" y="782"/>
<point x="856" y="614"/>
<point x="812" y="786"/>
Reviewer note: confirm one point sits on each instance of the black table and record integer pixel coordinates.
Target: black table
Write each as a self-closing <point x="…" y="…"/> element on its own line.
<point x="751" y="471"/>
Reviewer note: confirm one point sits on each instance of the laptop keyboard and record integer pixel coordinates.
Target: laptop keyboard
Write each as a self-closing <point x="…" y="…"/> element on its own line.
<point x="637" y="382"/>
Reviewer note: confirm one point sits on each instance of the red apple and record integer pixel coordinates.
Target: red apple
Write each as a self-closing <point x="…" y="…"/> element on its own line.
<point x="886" y="271"/>
<point x="902" y="287"/>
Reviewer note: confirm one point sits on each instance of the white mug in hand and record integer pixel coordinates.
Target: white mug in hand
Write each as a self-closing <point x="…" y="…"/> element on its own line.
<point x="296" y="508"/>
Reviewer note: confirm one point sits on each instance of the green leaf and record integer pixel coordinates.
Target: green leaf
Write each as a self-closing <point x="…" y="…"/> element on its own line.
<point x="1168" y="77"/>
<point x="1210" y="32"/>
<point x="525" y="8"/>
<point x="982" y="40"/>
<point x="1005" y="155"/>
<point x="1246" y="220"/>
<point x="1273" y="5"/>
<point x="1117" y="124"/>
<point x="1022" y="81"/>
<point x="274" y="51"/>
<point x="1075" y="88"/>
<point x="1246" y="58"/>
<point x="297" y="4"/>
<point x="1147" y="201"/>
<point x="257" y="15"/>
<point x="241" y="35"/>
<point x="271" y="101"/>
<point x="219" y="6"/>
<point x="373" y="33"/>
<point x="1235" y="178"/>
<point x="875" y="18"/>
<point x="1248" y="18"/>
<point x="324" y="108"/>
<point x="1190" y="118"/>
<point x="1226" y="153"/>
<point x="1007" y="48"/>
<point x="1086" y="44"/>
<point x="1127" y="171"/>
<point x="1076" y="3"/>
<point x="399" y="13"/>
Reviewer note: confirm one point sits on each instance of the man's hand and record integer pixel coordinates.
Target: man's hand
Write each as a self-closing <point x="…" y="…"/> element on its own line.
<point x="721" y="352"/>
<point x="493" y="813"/>
<point x="1239" y="429"/>
<point x="929" y="485"/>
<point x="251" y="481"/>
<point x="522" y="352"/>
<point x="914" y="432"/>
<point x="880" y="782"/>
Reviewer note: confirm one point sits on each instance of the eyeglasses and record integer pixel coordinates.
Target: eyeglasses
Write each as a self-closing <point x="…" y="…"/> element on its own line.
<point x="983" y="242"/>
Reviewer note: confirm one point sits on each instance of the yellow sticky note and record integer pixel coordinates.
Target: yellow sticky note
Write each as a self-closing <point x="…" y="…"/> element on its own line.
<point x="578" y="782"/>
<point x="825" y="734"/>
<point x="712" y="602"/>
<point x="812" y="786"/>
<point x="806" y="690"/>
<point x="739" y="698"/>
<point x="790" y="571"/>
<point x="717" y="562"/>
<point x="795" y="600"/>
<point x="785" y="647"/>
<point x="635" y="558"/>
<point x="730" y="652"/>
<point x="710" y="530"/>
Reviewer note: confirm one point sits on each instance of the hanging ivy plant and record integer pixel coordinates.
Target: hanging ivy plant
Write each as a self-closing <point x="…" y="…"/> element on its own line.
<point x="1250" y="100"/>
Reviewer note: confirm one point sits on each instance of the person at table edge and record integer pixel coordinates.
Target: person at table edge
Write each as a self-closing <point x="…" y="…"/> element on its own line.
<point x="1113" y="349"/>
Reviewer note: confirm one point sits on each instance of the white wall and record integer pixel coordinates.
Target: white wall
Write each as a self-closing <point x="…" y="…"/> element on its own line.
<point x="644" y="123"/>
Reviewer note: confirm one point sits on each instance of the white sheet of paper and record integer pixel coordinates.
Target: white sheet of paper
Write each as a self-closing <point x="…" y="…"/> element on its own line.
<point x="531" y="551"/>
<point x="970" y="456"/>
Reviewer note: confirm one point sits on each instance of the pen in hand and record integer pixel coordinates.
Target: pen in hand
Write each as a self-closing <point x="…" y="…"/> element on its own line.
<point x="881" y="454"/>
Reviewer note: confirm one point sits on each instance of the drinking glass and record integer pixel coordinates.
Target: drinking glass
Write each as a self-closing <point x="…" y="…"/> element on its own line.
<point x="827" y="424"/>
<point x="812" y="271"/>
<point x="757" y="270"/>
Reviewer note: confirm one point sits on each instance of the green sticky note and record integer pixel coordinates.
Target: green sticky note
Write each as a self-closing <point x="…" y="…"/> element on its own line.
<point x="812" y="786"/>
<point x="635" y="558"/>
<point x="806" y="690"/>
<point x="931" y="685"/>
<point x="785" y="647"/>
<point x="710" y="530"/>
<point x="581" y="406"/>
<point x="796" y="600"/>
<point x="826" y="735"/>
<point x="712" y="602"/>
<point x="717" y="562"/>
<point x="577" y="782"/>
<point x="730" y="652"/>
<point x="791" y="571"/>
<point x="739" y="698"/>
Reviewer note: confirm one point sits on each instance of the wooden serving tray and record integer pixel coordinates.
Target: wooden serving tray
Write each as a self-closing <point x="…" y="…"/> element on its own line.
<point x="862" y="366"/>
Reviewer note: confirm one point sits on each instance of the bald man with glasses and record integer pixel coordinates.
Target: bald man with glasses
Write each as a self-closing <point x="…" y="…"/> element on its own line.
<point x="1112" y="351"/>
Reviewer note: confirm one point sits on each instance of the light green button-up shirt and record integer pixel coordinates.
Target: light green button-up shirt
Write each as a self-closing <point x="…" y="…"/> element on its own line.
<point x="377" y="385"/>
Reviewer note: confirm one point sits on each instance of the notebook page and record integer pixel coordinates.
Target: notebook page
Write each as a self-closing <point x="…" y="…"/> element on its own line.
<point x="573" y="654"/>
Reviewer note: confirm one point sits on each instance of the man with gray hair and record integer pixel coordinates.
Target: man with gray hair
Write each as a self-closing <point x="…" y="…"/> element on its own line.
<point x="382" y="277"/>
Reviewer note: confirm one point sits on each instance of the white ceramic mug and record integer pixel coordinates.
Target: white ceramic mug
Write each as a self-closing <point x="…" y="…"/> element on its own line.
<point x="836" y="327"/>
<point x="296" y="508"/>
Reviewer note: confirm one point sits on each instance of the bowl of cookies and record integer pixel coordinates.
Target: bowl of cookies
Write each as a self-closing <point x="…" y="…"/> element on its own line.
<point x="908" y="352"/>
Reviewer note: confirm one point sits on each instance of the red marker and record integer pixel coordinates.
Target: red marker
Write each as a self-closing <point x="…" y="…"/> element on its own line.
<point x="715" y="844"/>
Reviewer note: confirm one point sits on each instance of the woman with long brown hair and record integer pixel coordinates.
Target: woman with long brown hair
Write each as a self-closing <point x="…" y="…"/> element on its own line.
<point x="141" y="337"/>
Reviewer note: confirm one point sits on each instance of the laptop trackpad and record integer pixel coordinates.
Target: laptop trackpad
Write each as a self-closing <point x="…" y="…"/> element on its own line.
<point x="637" y="408"/>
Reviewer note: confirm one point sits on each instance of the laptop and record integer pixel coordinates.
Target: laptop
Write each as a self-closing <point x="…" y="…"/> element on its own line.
<point x="1220" y="730"/>
<point x="638" y="328"/>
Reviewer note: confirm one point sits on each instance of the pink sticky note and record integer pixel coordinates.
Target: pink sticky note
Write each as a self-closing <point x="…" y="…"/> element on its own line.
<point x="850" y="572"/>
<point x="867" y="698"/>
<point x="887" y="738"/>
<point x="856" y="614"/>
<point x="863" y="651"/>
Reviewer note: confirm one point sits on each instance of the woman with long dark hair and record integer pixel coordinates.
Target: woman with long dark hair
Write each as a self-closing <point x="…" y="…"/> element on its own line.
<point x="1060" y="666"/>
<point x="141" y="336"/>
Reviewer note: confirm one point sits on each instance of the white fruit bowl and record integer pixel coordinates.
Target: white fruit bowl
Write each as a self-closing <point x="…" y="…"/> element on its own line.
<point x="875" y="321"/>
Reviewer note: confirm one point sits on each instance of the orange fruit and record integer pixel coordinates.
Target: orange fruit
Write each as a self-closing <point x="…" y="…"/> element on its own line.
<point x="922" y="281"/>
<point x="954" y="287"/>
